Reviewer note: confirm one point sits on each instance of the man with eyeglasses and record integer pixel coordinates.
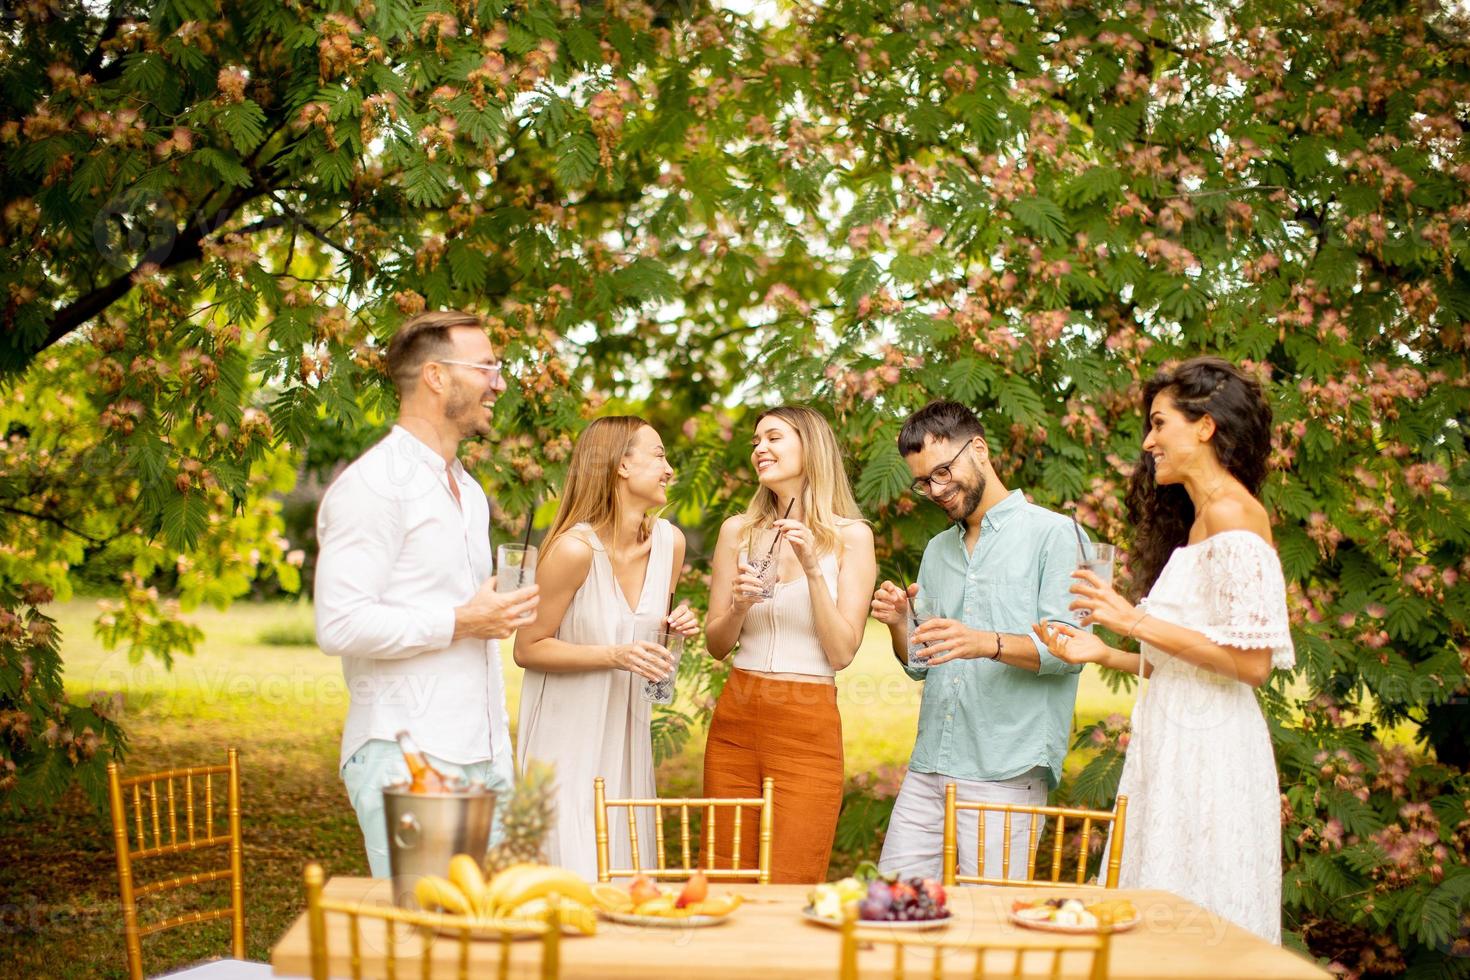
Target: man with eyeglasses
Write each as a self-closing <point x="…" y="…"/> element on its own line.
<point x="996" y="713"/>
<point x="404" y="594"/>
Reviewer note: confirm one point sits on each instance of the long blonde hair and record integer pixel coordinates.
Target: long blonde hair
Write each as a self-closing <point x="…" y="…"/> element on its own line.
<point x="826" y="495"/>
<point x="591" y="491"/>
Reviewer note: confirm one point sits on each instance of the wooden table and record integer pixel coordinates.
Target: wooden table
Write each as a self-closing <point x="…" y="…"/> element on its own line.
<point x="767" y="938"/>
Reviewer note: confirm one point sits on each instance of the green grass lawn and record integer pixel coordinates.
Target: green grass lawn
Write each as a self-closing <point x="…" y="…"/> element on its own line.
<point x="283" y="706"/>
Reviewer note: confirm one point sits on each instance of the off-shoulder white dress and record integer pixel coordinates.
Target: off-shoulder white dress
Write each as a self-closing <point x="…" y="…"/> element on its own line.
<point x="1204" y="810"/>
<point x="591" y="723"/>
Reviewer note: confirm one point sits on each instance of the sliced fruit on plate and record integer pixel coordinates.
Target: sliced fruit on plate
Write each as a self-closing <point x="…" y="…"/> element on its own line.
<point x="715" y="906"/>
<point x="655" y="906"/>
<point x="611" y="898"/>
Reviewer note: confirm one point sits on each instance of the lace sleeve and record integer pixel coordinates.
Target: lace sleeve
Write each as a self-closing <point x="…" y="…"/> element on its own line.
<point x="1246" y="597"/>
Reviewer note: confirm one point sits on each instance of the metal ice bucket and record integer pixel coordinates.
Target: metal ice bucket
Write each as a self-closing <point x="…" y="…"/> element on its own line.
<point x="425" y="830"/>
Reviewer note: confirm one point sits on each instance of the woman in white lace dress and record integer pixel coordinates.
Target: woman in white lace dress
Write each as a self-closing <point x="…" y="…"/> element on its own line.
<point x="1204" y="813"/>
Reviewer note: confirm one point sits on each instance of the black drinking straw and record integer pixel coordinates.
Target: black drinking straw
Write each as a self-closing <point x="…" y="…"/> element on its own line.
<point x="530" y="519"/>
<point x="913" y="614"/>
<point x="777" y="539"/>
<point x="1081" y="539"/>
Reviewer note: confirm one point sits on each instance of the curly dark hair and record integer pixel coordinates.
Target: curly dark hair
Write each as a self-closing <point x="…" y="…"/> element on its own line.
<point x="1162" y="515"/>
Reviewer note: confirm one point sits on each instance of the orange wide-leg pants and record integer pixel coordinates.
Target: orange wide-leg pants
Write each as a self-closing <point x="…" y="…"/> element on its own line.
<point x="792" y="732"/>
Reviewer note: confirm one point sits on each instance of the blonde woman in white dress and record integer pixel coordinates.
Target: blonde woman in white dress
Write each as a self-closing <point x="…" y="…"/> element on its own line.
<point x="1204" y="812"/>
<point x="607" y="570"/>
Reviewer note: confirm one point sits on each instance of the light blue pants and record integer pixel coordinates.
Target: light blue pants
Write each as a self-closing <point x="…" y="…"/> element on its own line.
<point x="380" y="762"/>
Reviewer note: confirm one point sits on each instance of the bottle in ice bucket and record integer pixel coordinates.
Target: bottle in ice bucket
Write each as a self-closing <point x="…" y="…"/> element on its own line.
<point x="424" y="777"/>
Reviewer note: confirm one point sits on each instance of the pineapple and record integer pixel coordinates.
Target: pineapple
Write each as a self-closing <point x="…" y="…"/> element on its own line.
<point x="525" y="820"/>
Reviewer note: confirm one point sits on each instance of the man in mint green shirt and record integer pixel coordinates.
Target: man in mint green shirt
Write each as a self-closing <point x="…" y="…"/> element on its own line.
<point x="996" y="714"/>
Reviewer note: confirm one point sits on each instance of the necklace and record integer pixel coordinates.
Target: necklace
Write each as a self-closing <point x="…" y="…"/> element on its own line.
<point x="1213" y="493"/>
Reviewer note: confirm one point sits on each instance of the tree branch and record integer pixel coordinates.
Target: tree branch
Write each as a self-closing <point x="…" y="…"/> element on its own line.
<point x="110" y="27"/>
<point x="47" y="518"/>
<point x="187" y="247"/>
<point x="312" y="229"/>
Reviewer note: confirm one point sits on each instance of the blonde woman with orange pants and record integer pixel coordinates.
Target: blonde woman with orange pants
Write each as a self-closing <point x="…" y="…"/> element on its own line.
<point x="777" y="715"/>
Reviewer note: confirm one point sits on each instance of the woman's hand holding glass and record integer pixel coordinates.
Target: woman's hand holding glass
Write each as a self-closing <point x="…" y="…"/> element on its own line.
<point x="1102" y="603"/>
<point x="647" y="660"/>
<point x="748" y="589"/>
<point x="1070" y="644"/>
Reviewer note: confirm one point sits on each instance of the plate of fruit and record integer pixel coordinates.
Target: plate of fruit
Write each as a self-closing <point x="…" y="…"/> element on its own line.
<point x="1074" y="915"/>
<point x="882" y="900"/>
<point x="644" y="903"/>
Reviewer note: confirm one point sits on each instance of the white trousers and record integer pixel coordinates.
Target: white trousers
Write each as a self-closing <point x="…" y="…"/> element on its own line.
<point x="914" y="847"/>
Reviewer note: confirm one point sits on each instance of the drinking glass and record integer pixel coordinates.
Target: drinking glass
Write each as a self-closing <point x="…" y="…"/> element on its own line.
<point x="764" y="563"/>
<point x="923" y="610"/>
<point x="516" y="564"/>
<point x="662" y="691"/>
<point x="1098" y="558"/>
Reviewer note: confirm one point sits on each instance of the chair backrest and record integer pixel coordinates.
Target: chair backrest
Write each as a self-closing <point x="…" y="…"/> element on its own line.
<point x="1056" y="956"/>
<point x="709" y="805"/>
<point x="1117" y="817"/>
<point x="424" y="957"/>
<point x="167" y="797"/>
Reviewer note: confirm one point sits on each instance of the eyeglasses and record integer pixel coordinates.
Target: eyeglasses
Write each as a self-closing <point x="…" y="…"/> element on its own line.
<point x="939" y="476"/>
<point x="492" y="369"/>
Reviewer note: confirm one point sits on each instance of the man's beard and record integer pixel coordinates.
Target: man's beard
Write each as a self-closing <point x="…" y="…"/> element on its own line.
<point x="463" y="410"/>
<point x="965" y="502"/>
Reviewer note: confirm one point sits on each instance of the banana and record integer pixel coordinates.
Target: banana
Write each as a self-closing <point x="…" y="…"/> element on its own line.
<point x="572" y="916"/>
<point x="503" y="883"/>
<point x="540" y="881"/>
<point x="433" y="892"/>
<point x="465" y="874"/>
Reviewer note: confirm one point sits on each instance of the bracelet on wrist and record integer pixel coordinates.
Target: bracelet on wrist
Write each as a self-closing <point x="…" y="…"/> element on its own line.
<point x="997" y="647"/>
<point x="1141" y="617"/>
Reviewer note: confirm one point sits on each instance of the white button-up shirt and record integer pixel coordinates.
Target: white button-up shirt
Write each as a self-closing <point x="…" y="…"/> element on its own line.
<point x="397" y="554"/>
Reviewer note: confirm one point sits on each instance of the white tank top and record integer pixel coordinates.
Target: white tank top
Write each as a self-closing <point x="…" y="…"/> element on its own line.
<point x="780" y="634"/>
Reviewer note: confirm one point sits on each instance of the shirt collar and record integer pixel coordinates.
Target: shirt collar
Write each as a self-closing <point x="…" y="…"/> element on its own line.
<point x="421" y="450"/>
<point x="996" y="517"/>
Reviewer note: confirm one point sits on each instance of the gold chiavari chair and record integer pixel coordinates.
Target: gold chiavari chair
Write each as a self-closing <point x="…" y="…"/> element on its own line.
<point x="761" y="873"/>
<point x="1117" y="817"/>
<point x="154" y="804"/>
<point x="432" y="930"/>
<point x="1060" y="956"/>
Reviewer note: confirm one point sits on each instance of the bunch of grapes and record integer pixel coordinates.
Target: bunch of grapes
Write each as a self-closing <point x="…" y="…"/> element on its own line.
<point x="905" y="900"/>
